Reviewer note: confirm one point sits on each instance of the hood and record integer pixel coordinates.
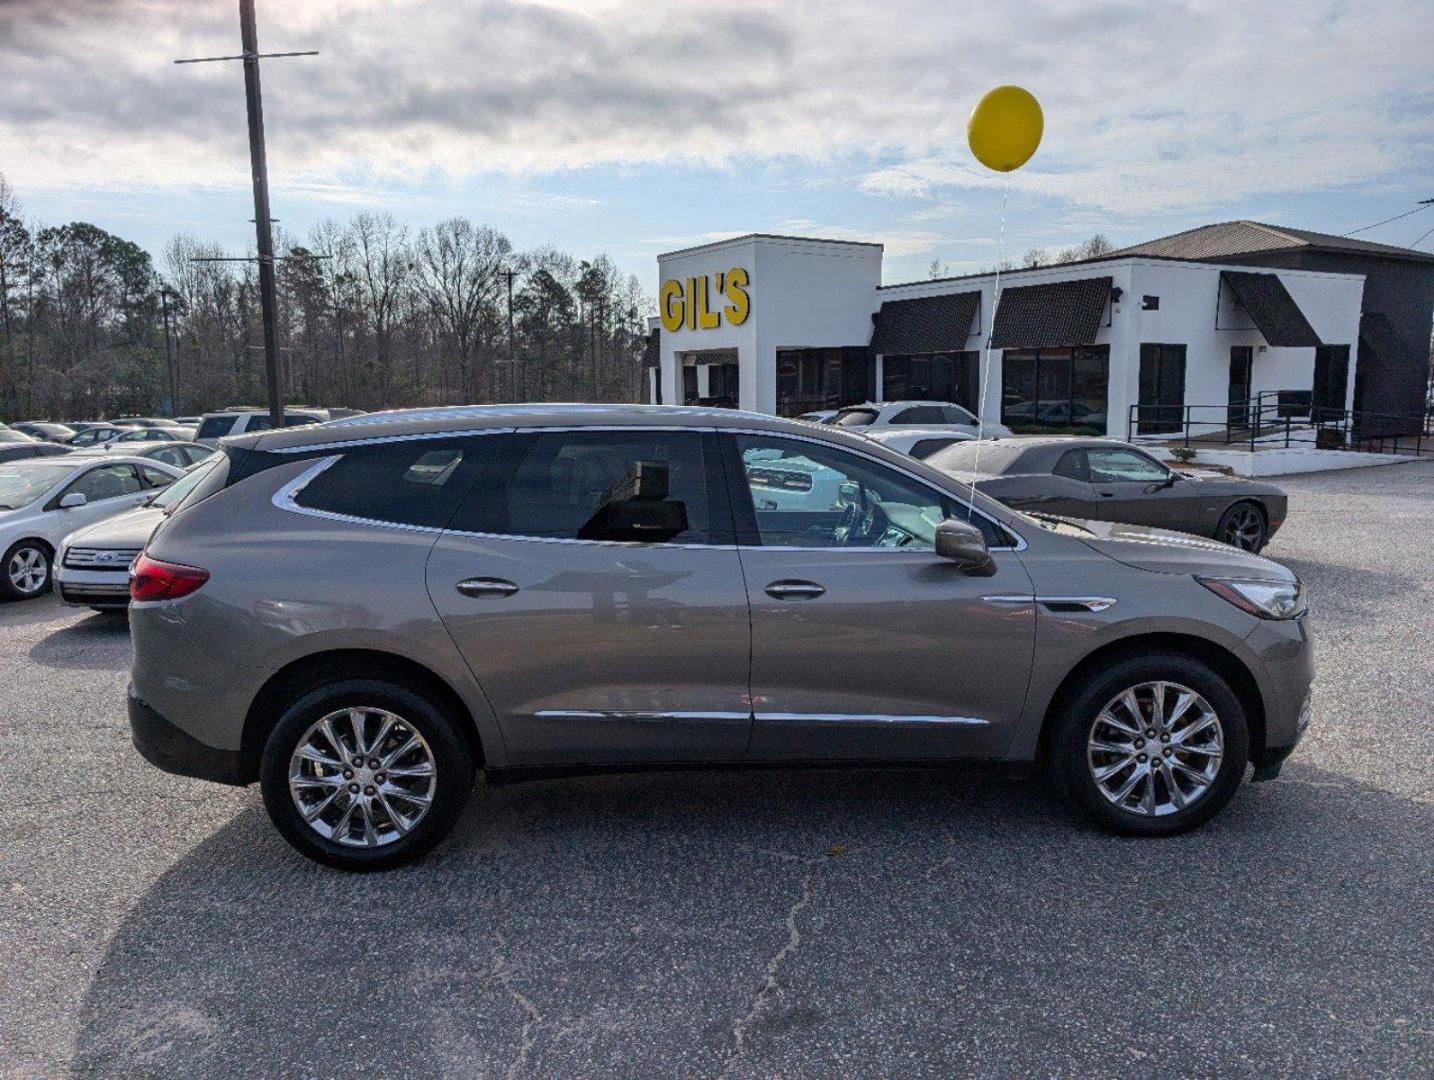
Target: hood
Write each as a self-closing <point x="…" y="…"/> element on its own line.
<point x="128" y="530"/>
<point x="1163" y="551"/>
<point x="1233" y="485"/>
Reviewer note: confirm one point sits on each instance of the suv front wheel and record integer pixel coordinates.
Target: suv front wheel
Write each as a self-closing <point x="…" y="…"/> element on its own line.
<point x="364" y="774"/>
<point x="1152" y="745"/>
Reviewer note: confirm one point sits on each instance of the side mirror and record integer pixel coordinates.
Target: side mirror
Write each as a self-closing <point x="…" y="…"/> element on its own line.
<point x="72" y="500"/>
<point x="963" y="544"/>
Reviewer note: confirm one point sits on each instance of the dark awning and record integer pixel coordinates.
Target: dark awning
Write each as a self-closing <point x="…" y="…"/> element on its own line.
<point x="1048" y="316"/>
<point x="1273" y="309"/>
<point x="926" y="324"/>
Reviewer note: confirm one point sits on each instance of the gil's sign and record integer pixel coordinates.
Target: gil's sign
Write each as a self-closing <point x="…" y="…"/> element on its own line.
<point x="689" y="302"/>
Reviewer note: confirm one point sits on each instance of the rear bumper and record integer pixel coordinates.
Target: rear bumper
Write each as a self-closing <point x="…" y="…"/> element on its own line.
<point x="167" y="747"/>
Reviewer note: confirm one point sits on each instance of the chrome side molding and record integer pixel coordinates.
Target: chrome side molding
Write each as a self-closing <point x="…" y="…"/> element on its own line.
<point x="1058" y="604"/>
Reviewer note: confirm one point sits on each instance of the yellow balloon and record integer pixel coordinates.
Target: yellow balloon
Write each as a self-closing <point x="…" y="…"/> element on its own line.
<point x="1005" y="128"/>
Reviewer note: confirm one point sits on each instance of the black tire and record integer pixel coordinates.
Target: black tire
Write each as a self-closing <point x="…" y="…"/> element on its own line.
<point x="1243" y="525"/>
<point x="22" y="549"/>
<point x="452" y="770"/>
<point x="1072" y="762"/>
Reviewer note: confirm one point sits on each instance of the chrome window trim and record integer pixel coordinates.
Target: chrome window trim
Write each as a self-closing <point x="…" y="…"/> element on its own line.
<point x="1020" y="544"/>
<point x="284" y="498"/>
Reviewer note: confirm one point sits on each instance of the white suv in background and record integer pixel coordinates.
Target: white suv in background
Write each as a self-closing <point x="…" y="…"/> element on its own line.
<point x="923" y="414"/>
<point x="217" y="425"/>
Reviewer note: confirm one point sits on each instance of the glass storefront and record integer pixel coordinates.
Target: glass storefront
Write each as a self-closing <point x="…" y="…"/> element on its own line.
<point x="1062" y="391"/>
<point x="951" y="377"/>
<point x="815" y="380"/>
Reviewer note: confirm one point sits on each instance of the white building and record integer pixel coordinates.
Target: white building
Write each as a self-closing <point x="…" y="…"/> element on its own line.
<point x="790" y="325"/>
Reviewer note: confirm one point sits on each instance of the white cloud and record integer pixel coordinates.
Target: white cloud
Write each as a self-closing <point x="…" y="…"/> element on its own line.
<point x="1149" y="107"/>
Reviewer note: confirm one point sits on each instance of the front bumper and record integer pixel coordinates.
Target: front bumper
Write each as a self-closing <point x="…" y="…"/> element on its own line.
<point x="92" y="588"/>
<point x="162" y="744"/>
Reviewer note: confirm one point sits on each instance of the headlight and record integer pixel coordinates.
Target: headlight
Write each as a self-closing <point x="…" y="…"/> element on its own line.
<point x="1265" y="599"/>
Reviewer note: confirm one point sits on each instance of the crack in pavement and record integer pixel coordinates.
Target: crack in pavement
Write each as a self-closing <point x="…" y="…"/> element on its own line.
<point x="769" y="985"/>
<point x="504" y="975"/>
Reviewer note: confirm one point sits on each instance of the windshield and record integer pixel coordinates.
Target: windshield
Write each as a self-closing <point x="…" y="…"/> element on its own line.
<point x="25" y="481"/>
<point x="174" y="494"/>
<point x="854" y="418"/>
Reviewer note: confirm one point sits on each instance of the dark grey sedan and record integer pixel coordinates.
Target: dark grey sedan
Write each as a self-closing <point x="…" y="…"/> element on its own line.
<point x="1108" y="480"/>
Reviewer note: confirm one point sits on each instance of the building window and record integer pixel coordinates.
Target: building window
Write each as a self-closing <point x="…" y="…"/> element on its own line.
<point x="1162" y="388"/>
<point x="815" y="380"/>
<point x="932" y="377"/>
<point x="1331" y="377"/>
<point x="1056" y="390"/>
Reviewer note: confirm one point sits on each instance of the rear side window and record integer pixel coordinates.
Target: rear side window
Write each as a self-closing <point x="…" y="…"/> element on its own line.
<point x="924" y="448"/>
<point x="215" y="427"/>
<point x="1073" y="465"/>
<point x="920" y="414"/>
<point x="153" y="478"/>
<point x="635" y="487"/>
<point x="412" y="482"/>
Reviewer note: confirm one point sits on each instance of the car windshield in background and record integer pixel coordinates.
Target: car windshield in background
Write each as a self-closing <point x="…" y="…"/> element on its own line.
<point x="854" y="418"/>
<point x="215" y="427"/>
<point x="24" y="482"/>
<point x="174" y="494"/>
<point x="975" y="456"/>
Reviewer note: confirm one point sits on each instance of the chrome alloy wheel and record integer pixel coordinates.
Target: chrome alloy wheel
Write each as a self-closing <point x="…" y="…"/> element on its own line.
<point x="1155" y="748"/>
<point x="362" y="777"/>
<point x="28" y="570"/>
<point x="1245" y="529"/>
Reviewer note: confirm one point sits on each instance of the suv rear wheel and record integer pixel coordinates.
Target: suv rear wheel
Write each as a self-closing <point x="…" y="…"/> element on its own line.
<point x="1151" y="746"/>
<point x="364" y="774"/>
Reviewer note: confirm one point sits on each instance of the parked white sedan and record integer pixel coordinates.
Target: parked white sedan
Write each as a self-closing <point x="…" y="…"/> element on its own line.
<point x="928" y="414"/>
<point x="919" y="442"/>
<point x="43" y="500"/>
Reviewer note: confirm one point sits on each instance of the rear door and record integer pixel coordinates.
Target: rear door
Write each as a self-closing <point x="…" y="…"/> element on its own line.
<point x="597" y="635"/>
<point x="866" y="644"/>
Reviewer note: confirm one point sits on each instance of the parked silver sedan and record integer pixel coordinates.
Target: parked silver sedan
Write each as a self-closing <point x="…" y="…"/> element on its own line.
<point x="358" y="616"/>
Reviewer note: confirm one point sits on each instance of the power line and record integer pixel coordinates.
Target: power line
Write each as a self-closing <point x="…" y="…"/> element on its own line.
<point x="1423" y="238"/>
<point x="1423" y="205"/>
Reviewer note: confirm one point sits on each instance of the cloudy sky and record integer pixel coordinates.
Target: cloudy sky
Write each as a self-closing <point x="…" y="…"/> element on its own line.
<point x="636" y="126"/>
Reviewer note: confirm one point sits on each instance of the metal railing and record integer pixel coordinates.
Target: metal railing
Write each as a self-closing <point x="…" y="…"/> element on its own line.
<point x="1281" y="419"/>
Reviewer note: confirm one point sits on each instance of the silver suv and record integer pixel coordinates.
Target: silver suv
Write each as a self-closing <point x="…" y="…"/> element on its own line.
<point x="362" y="615"/>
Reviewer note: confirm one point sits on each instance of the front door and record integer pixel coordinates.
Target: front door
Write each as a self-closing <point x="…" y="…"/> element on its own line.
<point x="592" y="585"/>
<point x="1162" y="388"/>
<point x="108" y="490"/>
<point x="1136" y="489"/>
<point x="1239" y="394"/>
<point x="1331" y="379"/>
<point x="864" y="642"/>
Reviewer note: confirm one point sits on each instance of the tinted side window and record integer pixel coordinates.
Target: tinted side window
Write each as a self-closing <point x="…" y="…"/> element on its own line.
<point x="298" y="421"/>
<point x="1072" y="464"/>
<point x="920" y="414"/>
<point x="639" y="486"/>
<point x="107" y="482"/>
<point x="413" y="482"/>
<point x="215" y="427"/>
<point x="807" y="495"/>
<point x="153" y="478"/>
<point x="1112" y="466"/>
<point x="924" y="448"/>
<point x="954" y="414"/>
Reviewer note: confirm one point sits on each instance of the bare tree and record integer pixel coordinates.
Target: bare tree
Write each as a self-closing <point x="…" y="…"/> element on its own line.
<point x="384" y="268"/>
<point x="458" y="276"/>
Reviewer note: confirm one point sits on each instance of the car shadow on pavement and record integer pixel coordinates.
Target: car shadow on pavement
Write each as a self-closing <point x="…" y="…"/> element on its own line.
<point x="99" y="642"/>
<point x="787" y="923"/>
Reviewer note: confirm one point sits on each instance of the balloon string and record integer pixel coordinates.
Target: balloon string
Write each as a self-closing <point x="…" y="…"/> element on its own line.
<point x="986" y="361"/>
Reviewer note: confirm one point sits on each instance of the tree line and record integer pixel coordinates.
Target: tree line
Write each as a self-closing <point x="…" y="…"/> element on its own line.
<point x="371" y="314"/>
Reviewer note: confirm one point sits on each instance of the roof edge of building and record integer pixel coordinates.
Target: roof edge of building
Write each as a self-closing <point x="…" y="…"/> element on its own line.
<point x="713" y="245"/>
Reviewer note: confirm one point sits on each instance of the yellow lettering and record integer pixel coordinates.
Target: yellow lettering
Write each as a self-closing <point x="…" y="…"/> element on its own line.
<point x="706" y="320"/>
<point x="739" y="304"/>
<point x="670" y="304"/>
<point x="692" y="303"/>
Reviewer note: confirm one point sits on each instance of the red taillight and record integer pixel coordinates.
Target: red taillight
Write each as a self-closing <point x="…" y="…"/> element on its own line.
<point x="150" y="579"/>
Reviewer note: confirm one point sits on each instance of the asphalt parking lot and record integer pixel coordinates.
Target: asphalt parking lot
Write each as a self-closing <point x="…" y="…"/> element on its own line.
<point x="751" y="924"/>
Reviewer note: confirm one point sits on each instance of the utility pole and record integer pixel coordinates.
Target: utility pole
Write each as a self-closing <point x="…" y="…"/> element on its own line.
<point x="512" y="348"/>
<point x="258" y="163"/>
<point x="169" y="351"/>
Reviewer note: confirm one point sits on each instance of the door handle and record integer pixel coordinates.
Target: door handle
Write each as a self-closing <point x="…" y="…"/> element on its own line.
<point x="794" y="590"/>
<point x="1107" y="494"/>
<point x="486" y="586"/>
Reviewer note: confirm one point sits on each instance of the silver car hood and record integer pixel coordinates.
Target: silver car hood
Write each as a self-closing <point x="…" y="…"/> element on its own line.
<point x="1167" y="552"/>
<point x="128" y="530"/>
